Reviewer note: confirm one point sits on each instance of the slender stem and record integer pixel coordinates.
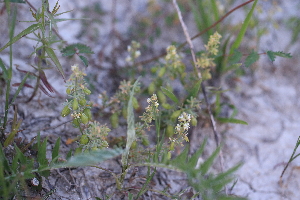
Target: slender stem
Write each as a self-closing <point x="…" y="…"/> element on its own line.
<point x="189" y="41"/>
<point x="292" y="157"/>
<point x="7" y="103"/>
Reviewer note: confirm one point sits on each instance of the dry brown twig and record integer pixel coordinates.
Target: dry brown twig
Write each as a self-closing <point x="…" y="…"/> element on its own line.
<point x="189" y="41"/>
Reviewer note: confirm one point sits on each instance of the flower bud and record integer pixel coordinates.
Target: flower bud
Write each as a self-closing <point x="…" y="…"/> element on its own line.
<point x="162" y="71"/>
<point x="78" y="150"/>
<point x="161" y="97"/>
<point x="84" y="139"/>
<point x="175" y="115"/>
<point x="169" y="131"/>
<point x="172" y="146"/>
<point x="65" y="111"/>
<point x="76" y="123"/>
<point x="68" y="90"/>
<point x="133" y="145"/>
<point x="84" y="118"/>
<point x="124" y="112"/>
<point x="82" y="102"/>
<point x="166" y="106"/>
<point x="151" y="88"/>
<point x="88" y="113"/>
<point x="169" y="155"/>
<point x="94" y="148"/>
<point x="194" y="121"/>
<point x="114" y="120"/>
<point x="145" y="142"/>
<point x="75" y="104"/>
<point x="87" y="91"/>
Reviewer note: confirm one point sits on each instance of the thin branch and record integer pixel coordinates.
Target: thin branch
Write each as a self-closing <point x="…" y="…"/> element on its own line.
<point x="188" y="38"/>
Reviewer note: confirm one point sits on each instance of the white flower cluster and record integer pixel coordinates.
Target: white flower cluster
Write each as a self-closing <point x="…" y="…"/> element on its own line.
<point x="183" y="126"/>
<point x="133" y="50"/>
<point x="152" y="100"/>
<point x="151" y="110"/>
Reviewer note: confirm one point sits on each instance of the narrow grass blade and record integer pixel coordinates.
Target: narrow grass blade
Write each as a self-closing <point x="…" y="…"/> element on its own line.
<point x="169" y="94"/>
<point x="194" y="91"/>
<point x="55" y="150"/>
<point x="13" y="133"/>
<point x="231" y="120"/>
<point x="208" y="163"/>
<point x="55" y="60"/>
<point x="28" y="30"/>
<point x="242" y="32"/>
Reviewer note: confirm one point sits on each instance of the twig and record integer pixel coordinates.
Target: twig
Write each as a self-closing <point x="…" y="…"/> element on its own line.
<point x="189" y="41"/>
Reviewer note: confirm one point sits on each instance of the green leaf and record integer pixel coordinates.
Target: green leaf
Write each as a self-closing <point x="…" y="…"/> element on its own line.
<point x="28" y="30"/>
<point x="42" y="159"/>
<point x="195" y="90"/>
<point x="208" y="163"/>
<point x="55" y="150"/>
<point x="169" y="94"/>
<point x="231" y="120"/>
<point x="242" y="32"/>
<point x="55" y="60"/>
<point x="235" y="57"/>
<point x="84" y="60"/>
<point x="12" y="134"/>
<point x="181" y="160"/>
<point x="272" y="55"/>
<point x="76" y="48"/>
<point x="252" y="58"/>
<point x="130" y="125"/>
<point x="90" y="158"/>
<point x="194" y="158"/>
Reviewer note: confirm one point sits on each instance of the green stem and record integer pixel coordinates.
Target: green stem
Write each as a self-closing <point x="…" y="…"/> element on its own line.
<point x="11" y="35"/>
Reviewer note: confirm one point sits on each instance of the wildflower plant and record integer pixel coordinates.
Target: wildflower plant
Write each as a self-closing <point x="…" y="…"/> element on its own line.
<point x="170" y="115"/>
<point x="93" y="134"/>
<point x="77" y="91"/>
